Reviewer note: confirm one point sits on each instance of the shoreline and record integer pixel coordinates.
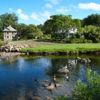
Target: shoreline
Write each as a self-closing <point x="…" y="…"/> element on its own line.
<point x="46" y="49"/>
<point x="5" y="55"/>
<point x="61" y="53"/>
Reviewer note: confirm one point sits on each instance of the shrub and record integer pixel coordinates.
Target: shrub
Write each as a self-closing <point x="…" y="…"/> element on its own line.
<point x="60" y="98"/>
<point x="89" y="90"/>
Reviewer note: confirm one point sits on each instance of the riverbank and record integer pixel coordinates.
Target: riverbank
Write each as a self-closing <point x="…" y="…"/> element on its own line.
<point x="9" y="55"/>
<point x="64" y="49"/>
<point x="32" y="47"/>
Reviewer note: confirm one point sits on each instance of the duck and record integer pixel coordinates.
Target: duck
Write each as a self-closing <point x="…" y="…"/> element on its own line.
<point x="51" y="87"/>
<point x="63" y="70"/>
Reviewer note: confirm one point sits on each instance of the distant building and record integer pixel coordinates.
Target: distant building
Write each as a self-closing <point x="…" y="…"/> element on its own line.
<point x="9" y="33"/>
<point x="72" y="32"/>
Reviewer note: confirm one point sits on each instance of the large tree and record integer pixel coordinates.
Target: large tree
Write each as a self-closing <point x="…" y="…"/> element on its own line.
<point x="8" y="19"/>
<point x="93" y="19"/>
<point x="57" y="24"/>
<point x="90" y="32"/>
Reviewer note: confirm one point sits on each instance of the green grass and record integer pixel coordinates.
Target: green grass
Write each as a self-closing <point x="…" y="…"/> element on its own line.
<point x="64" y="48"/>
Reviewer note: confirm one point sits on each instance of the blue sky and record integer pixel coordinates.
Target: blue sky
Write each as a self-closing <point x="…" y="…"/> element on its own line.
<point x="38" y="11"/>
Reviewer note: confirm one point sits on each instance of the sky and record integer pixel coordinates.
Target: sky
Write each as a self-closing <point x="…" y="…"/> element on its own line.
<point x="38" y="11"/>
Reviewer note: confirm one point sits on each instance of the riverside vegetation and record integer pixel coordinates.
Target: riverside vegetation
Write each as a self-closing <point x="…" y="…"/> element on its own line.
<point x="48" y="48"/>
<point x="56" y="29"/>
<point x="64" y="48"/>
<point x="90" y="90"/>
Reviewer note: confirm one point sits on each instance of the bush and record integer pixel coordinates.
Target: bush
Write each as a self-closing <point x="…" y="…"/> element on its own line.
<point x="60" y="98"/>
<point x="76" y="40"/>
<point x="89" y="90"/>
<point x="45" y="37"/>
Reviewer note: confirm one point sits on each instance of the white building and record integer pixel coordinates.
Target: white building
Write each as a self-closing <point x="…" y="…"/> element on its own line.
<point x="9" y="33"/>
<point x="72" y="32"/>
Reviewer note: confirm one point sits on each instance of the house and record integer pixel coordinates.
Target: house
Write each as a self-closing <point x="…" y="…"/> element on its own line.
<point x="9" y="33"/>
<point x="71" y="32"/>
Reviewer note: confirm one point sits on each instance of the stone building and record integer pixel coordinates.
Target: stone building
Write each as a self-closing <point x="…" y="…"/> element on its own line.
<point x="9" y="33"/>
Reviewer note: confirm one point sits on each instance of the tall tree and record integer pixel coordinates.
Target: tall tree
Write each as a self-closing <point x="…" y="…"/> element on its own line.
<point x="57" y="24"/>
<point x="91" y="33"/>
<point x="93" y="19"/>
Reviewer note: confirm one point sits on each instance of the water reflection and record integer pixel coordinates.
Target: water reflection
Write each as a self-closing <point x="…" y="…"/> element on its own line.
<point x="22" y="79"/>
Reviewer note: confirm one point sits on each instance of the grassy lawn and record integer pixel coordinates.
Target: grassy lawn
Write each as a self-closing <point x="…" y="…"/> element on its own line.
<point x="58" y="47"/>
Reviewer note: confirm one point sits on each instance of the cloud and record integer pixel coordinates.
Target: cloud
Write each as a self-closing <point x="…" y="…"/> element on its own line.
<point x="41" y="16"/>
<point x="11" y="10"/>
<point x="22" y="15"/>
<point x="89" y="6"/>
<point x="63" y="10"/>
<point x="46" y="14"/>
<point x="48" y="5"/>
<point x="51" y="3"/>
<point x="54" y="2"/>
<point x="34" y="16"/>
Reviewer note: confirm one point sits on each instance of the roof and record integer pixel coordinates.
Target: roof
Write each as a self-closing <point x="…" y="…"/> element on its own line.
<point x="9" y="28"/>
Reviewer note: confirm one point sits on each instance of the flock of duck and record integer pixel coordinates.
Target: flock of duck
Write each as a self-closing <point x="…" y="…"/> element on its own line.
<point x="50" y="86"/>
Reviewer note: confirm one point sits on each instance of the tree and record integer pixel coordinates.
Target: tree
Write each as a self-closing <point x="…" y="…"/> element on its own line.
<point x="76" y="23"/>
<point x="8" y="19"/>
<point x="57" y="24"/>
<point x="93" y="19"/>
<point x="21" y="28"/>
<point x="92" y="33"/>
<point x="29" y="31"/>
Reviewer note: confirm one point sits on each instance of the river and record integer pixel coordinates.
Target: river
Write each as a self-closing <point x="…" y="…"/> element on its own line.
<point x="22" y="78"/>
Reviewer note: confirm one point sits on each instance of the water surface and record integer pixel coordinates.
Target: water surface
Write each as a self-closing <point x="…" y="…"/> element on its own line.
<point x="22" y="78"/>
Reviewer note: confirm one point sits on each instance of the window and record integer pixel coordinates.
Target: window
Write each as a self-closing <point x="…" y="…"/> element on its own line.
<point x="7" y="36"/>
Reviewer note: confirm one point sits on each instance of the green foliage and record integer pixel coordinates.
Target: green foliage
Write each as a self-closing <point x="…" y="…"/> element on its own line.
<point x="89" y="90"/>
<point x="29" y="31"/>
<point x="57" y="24"/>
<point x="57" y="47"/>
<point x="32" y="32"/>
<point x="57" y="27"/>
<point x="45" y="37"/>
<point x="6" y="20"/>
<point x="60" y="98"/>
<point x="90" y="33"/>
<point x="93" y="19"/>
<point x="1" y="43"/>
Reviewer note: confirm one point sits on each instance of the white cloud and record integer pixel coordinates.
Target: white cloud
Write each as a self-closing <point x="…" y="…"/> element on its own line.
<point x="63" y="10"/>
<point x="89" y="6"/>
<point x="22" y="15"/>
<point x="41" y="16"/>
<point x="51" y="3"/>
<point x="54" y="2"/>
<point x="46" y="14"/>
<point x="11" y="10"/>
<point x="48" y="5"/>
<point x="34" y="16"/>
<point x="19" y="11"/>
